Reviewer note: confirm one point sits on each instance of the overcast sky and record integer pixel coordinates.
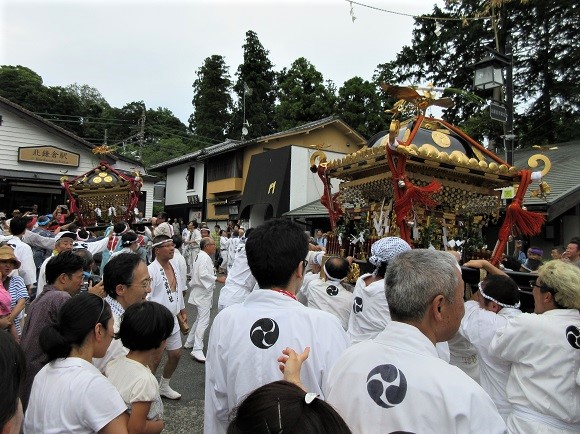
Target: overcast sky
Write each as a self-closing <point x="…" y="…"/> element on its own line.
<point x="132" y="50"/>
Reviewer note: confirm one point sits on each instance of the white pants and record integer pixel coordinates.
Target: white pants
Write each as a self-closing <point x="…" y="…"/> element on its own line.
<point x="195" y="336"/>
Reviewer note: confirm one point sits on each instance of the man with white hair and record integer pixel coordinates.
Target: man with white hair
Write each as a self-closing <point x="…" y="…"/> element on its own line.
<point x="329" y="294"/>
<point x="370" y="310"/>
<point x="397" y="380"/>
<point x="544" y="350"/>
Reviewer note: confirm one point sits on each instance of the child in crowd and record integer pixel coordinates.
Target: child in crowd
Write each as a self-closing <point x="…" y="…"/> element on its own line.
<point x="144" y="329"/>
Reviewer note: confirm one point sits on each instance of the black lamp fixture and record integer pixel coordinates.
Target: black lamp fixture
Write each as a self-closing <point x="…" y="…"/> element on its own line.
<point x="489" y="75"/>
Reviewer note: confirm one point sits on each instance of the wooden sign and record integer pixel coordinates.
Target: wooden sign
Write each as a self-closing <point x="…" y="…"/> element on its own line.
<point x="48" y="155"/>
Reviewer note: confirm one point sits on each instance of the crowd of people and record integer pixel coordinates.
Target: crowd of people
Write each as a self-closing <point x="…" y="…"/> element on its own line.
<point x="294" y="347"/>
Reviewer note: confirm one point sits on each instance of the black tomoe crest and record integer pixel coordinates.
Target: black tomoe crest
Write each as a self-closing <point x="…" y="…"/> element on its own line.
<point x="381" y="385"/>
<point x="573" y="336"/>
<point x="357" y="305"/>
<point x="264" y="333"/>
<point x="332" y="290"/>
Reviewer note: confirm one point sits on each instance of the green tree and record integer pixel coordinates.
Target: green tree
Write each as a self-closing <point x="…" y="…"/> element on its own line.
<point x="23" y="86"/>
<point x="212" y="102"/>
<point x="303" y="95"/>
<point x="163" y="150"/>
<point x="359" y="106"/>
<point x="255" y="89"/>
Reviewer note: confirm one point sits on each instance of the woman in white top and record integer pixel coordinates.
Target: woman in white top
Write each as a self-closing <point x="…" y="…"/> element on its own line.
<point x="144" y="330"/>
<point x="69" y="394"/>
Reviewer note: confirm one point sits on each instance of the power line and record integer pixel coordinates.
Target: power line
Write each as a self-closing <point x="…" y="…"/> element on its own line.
<point x="417" y="17"/>
<point x="81" y="116"/>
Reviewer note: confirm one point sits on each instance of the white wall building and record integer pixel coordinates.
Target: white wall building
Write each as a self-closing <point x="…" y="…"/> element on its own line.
<point x="35" y="154"/>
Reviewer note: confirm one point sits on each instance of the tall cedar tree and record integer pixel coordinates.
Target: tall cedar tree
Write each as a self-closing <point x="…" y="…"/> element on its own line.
<point x="359" y="106"/>
<point x="548" y="65"/>
<point x="212" y="102"/>
<point x="546" y="60"/>
<point x="303" y="96"/>
<point x="257" y="75"/>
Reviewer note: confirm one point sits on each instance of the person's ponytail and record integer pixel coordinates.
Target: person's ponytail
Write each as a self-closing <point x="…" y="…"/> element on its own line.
<point x="54" y="344"/>
<point x="77" y="318"/>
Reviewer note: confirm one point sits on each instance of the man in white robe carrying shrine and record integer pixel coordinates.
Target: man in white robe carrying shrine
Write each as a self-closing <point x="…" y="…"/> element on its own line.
<point x="396" y="382"/>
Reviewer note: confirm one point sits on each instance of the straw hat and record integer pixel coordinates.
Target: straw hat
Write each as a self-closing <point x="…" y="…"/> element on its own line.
<point x="7" y="254"/>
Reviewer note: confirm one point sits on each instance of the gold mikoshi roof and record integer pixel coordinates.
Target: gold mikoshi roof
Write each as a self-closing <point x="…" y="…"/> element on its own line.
<point x="437" y="149"/>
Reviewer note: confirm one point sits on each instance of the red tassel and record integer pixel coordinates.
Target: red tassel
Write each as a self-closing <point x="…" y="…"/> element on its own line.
<point x="414" y="194"/>
<point x="522" y="221"/>
<point x="525" y="222"/>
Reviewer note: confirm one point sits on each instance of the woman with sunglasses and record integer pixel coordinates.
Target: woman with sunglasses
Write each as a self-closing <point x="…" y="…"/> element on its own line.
<point x="544" y="349"/>
<point x="69" y="394"/>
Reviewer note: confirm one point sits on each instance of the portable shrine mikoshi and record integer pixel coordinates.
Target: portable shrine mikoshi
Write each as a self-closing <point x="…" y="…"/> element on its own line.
<point x="102" y="190"/>
<point x="426" y="181"/>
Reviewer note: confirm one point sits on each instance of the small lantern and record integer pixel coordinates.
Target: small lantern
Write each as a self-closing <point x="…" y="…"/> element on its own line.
<point x="488" y="73"/>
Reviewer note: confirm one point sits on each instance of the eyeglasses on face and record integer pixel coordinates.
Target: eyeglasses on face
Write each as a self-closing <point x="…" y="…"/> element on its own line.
<point x="144" y="285"/>
<point x="543" y="288"/>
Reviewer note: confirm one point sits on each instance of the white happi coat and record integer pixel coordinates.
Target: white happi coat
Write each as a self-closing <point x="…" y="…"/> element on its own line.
<point x="93" y="247"/>
<point x="161" y="293"/>
<point x="396" y="382"/>
<point x="309" y="276"/>
<point x="545" y="354"/>
<point x="331" y="297"/>
<point x="246" y="340"/>
<point x="202" y="281"/>
<point x="370" y="310"/>
<point x="478" y="326"/>
<point x="240" y="281"/>
<point x="232" y="245"/>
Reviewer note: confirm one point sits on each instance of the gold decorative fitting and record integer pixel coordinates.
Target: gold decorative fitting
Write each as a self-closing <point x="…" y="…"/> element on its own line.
<point x="542" y="191"/>
<point x="441" y="139"/>
<point x="103" y="150"/>
<point x="533" y="163"/>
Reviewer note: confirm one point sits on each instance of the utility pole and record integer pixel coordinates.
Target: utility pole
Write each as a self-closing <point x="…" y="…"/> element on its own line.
<point x="141" y="133"/>
<point x="509" y="96"/>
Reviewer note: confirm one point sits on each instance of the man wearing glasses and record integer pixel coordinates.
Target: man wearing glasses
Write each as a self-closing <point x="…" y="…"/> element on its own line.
<point x="167" y="286"/>
<point x="126" y="281"/>
<point x="247" y="338"/>
<point x="544" y="349"/>
<point x="202" y="284"/>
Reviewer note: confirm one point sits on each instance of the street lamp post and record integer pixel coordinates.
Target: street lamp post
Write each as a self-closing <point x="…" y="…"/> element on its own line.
<point x="489" y="75"/>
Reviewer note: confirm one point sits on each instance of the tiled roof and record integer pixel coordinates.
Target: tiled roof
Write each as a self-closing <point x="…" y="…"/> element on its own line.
<point x="563" y="177"/>
<point x="312" y="209"/>
<point x="230" y="145"/>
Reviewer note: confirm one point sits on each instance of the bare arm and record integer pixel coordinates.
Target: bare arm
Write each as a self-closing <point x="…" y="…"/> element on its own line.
<point x="138" y="423"/>
<point x="117" y="425"/>
<point x="17" y="308"/>
<point x="485" y="265"/>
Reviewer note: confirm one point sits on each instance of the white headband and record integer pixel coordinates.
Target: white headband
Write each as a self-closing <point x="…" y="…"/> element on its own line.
<point x="159" y="243"/>
<point x="487" y="297"/>
<point x="328" y="277"/>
